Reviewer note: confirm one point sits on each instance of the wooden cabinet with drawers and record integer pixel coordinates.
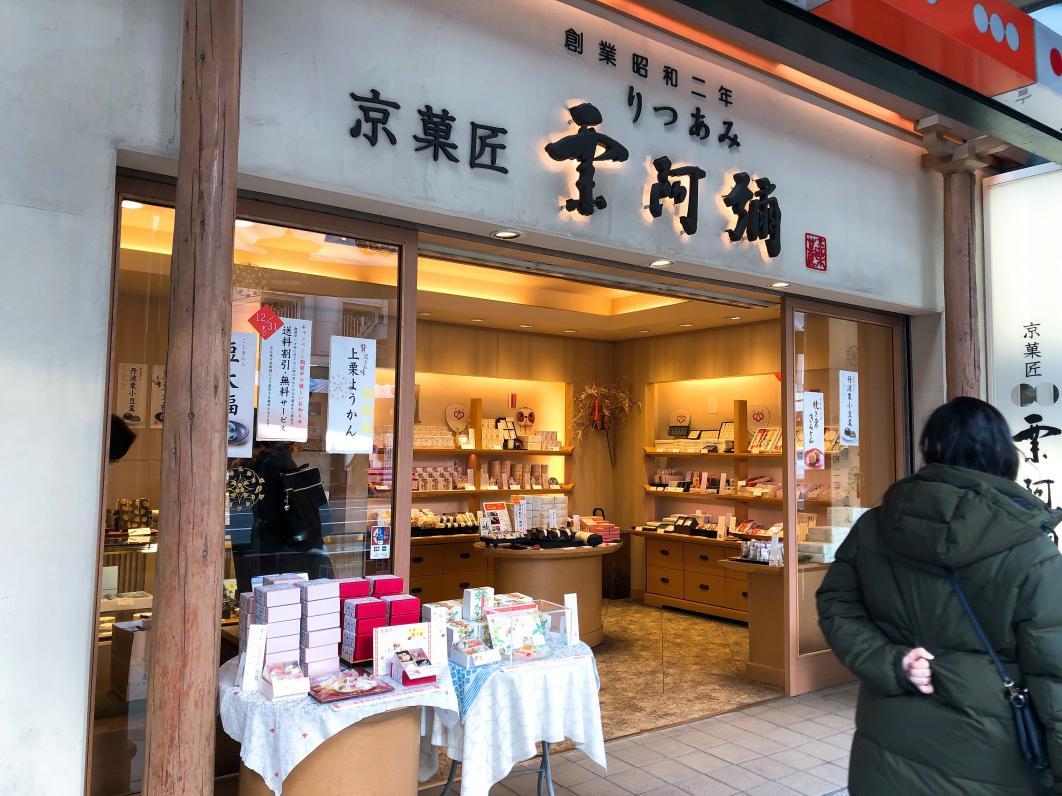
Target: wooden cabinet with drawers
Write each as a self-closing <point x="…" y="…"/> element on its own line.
<point x="686" y="572"/>
<point x="442" y="567"/>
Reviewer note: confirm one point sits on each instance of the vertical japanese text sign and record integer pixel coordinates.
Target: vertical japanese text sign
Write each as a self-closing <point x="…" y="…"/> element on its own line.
<point x="351" y="395"/>
<point x="848" y="433"/>
<point x="242" y="351"/>
<point x="284" y="383"/>
<point x="814" y="431"/>
<point x="130" y="402"/>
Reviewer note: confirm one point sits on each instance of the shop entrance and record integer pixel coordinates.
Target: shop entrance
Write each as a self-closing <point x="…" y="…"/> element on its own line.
<point x="631" y="403"/>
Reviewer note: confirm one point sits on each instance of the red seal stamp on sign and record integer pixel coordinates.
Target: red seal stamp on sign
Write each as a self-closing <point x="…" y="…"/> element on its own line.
<point x="266" y="321"/>
<point x="815" y="252"/>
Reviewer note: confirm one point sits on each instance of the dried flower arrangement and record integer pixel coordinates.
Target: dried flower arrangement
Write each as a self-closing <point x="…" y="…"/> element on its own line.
<point x="602" y="407"/>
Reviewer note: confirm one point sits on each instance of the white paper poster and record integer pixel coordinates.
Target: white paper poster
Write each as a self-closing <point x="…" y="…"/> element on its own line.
<point x="351" y="394"/>
<point x="814" y="431"/>
<point x="848" y="433"/>
<point x="130" y="398"/>
<point x="242" y="351"/>
<point x="284" y="383"/>
<point x="158" y="395"/>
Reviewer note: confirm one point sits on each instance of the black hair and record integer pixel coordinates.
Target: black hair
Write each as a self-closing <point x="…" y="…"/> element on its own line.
<point x="967" y="432"/>
<point x="122" y="438"/>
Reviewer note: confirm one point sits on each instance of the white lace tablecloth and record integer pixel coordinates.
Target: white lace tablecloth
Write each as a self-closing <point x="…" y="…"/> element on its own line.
<point x="275" y="737"/>
<point x="548" y="700"/>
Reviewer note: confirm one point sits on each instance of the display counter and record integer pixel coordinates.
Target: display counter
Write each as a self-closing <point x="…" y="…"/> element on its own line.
<point x="766" y="618"/>
<point x="550" y="574"/>
<point x="683" y="571"/>
<point x="445" y="565"/>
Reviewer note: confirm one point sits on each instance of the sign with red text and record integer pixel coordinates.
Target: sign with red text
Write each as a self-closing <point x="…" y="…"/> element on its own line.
<point x="266" y="321"/>
<point x="815" y="252"/>
<point x="284" y="383"/>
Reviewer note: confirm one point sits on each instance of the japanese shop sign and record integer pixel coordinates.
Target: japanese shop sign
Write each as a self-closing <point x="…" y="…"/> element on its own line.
<point x="848" y="433"/>
<point x="1026" y="332"/>
<point x="243" y="348"/>
<point x="814" y="431"/>
<point x="351" y="395"/>
<point x="158" y="395"/>
<point x="284" y="383"/>
<point x="130" y="400"/>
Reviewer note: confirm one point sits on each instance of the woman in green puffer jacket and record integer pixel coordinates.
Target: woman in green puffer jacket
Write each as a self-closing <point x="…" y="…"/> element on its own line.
<point x="932" y="716"/>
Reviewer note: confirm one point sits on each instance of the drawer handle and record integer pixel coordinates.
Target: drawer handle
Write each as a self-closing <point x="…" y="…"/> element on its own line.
<point x="417" y="559"/>
<point x="464" y="585"/>
<point x="665" y="580"/>
<point x="705" y="558"/>
<point x="745" y="594"/>
<point x="416" y="590"/>
<point x="466" y="555"/>
<point x="704" y="586"/>
<point x="664" y="552"/>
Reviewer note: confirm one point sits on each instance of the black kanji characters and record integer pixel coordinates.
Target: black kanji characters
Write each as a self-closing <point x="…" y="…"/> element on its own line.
<point x="583" y="147"/>
<point x="664" y="188"/>
<point x="668" y="110"/>
<point x="437" y="128"/>
<point x="485" y="142"/>
<point x="634" y="100"/>
<point x="759" y="216"/>
<point x="699" y="129"/>
<point x="1033" y="434"/>
<point x="640" y="65"/>
<point x="729" y="137"/>
<point x="699" y="81"/>
<point x="670" y="76"/>
<point x="573" y="41"/>
<point x="376" y="113"/>
<point x="726" y="96"/>
<point x="606" y="52"/>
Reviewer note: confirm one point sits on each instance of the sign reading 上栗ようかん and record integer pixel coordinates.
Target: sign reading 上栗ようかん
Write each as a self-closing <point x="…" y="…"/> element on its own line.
<point x="351" y="395"/>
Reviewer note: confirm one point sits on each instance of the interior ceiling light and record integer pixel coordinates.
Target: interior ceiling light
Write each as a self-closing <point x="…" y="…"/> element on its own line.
<point x="477" y="320"/>
<point x="243" y="222"/>
<point x="779" y="284"/>
<point x="424" y="314"/>
<point x="526" y="326"/>
<point x="733" y="317"/>
<point x="129" y="204"/>
<point x="660" y="263"/>
<point x="505" y="234"/>
<point x="570" y="331"/>
<point x="643" y="331"/>
<point x="685" y="325"/>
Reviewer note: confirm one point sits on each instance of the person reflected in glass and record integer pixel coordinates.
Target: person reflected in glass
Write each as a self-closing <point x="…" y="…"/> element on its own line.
<point x="932" y="714"/>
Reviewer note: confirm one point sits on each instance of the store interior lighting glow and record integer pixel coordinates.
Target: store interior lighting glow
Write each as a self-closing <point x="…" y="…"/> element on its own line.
<point x="424" y="314"/>
<point x="685" y="325"/>
<point x="779" y="284"/>
<point x="476" y="320"/>
<point x="733" y="317"/>
<point x="243" y="222"/>
<point x="643" y="331"/>
<point x="526" y="326"/>
<point x="660" y="263"/>
<point x="129" y="204"/>
<point x="570" y="331"/>
<point x="506" y="234"/>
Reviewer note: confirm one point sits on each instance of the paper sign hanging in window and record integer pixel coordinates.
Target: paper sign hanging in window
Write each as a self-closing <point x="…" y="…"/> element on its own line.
<point x="243" y="347"/>
<point x="849" y="415"/>
<point x="130" y="402"/>
<point x="814" y="431"/>
<point x="284" y="383"/>
<point x="351" y="395"/>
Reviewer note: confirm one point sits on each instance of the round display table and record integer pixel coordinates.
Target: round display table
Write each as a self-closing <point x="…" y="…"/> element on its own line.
<point x="550" y="574"/>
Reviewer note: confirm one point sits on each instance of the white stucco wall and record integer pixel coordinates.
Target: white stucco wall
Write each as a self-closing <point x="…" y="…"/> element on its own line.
<point x="83" y="81"/>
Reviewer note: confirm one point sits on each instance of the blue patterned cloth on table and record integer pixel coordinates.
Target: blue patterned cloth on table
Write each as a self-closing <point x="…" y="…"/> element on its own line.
<point x="469" y="682"/>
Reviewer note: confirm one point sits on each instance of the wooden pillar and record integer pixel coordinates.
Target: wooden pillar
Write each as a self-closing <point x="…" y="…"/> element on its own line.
<point x="962" y="321"/>
<point x="183" y="688"/>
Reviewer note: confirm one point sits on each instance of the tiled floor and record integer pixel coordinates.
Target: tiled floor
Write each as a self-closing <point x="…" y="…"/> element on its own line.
<point x="785" y="746"/>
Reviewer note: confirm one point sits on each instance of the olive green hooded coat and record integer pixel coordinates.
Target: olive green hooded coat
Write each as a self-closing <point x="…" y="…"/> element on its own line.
<point x="887" y="592"/>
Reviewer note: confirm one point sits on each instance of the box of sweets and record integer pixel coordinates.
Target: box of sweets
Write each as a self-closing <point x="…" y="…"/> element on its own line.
<point x="283" y="681"/>
<point x="311" y="654"/>
<point x="512" y="601"/>
<point x="363" y="627"/>
<point x="353" y="587"/>
<point x="264" y="614"/>
<point x="412" y="618"/>
<point x="401" y="604"/>
<point x="275" y="594"/>
<point x="320" y="589"/>
<point x="412" y="667"/>
<point x="283" y="578"/>
<point x="476" y="602"/>
<point x="322" y="667"/>
<point x="442" y="611"/>
<point x="385" y="584"/>
<point x="321" y="621"/>
<point x="329" y="605"/>
<point x="364" y="607"/>
<point x="282" y="644"/>
<point x="461" y="629"/>
<point x="288" y="628"/>
<point x="318" y="638"/>
<point x="472" y="652"/>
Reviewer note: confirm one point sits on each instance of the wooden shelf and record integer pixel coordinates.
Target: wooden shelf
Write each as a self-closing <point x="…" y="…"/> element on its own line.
<point x="454" y="493"/>
<point x="488" y="452"/>
<point x="693" y="454"/>
<point x="708" y="497"/>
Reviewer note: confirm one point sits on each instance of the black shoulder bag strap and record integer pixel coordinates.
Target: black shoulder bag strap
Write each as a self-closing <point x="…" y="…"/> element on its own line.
<point x="1031" y="737"/>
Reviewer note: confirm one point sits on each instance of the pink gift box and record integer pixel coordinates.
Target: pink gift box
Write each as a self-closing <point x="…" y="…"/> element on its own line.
<point x="354" y="587"/>
<point x="287" y="656"/>
<point x="362" y="627"/>
<point x="320" y="589"/>
<point x="321" y="621"/>
<point x="401" y="604"/>
<point x="321" y="668"/>
<point x="322" y="653"/>
<point x="290" y="628"/>
<point x="364" y="607"/>
<point x="277" y="613"/>
<point x="277" y="594"/>
<point x="283" y="644"/>
<point x="385" y="584"/>
<point x="318" y="607"/>
<point x="318" y="638"/>
<point x="360" y="651"/>
<point x="411" y="618"/>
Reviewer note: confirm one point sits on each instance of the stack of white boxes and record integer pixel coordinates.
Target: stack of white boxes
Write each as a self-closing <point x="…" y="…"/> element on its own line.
<point x="539" y="508"/>
<point x="823" y="540"/>
<point x="320" y="631"/>
<point x="276" y="605"/>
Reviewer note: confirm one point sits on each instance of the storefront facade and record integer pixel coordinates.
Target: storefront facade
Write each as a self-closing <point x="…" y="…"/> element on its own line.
<point x="404" y="123"/>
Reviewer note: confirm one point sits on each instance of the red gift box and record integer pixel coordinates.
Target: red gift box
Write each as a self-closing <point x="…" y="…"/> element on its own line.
<point x="362" y="650"/>
<point x="354" y="587"/>
<point x="364" y="627"/>
<point x="404" y="619"/>
<point x="385" y="584"/>
<point x="364" y="607"/>
<point x="401" y="604"/>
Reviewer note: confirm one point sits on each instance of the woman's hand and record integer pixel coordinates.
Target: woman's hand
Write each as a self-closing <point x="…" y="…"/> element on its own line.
<point x="916" y="667"/>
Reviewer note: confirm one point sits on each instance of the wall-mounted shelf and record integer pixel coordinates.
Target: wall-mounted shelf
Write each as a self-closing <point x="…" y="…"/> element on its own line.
<point x="454" y="493"/>
<point x="708" y="497"/>
<point x="488" y="452"/>
<point x="656" y="452"/>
